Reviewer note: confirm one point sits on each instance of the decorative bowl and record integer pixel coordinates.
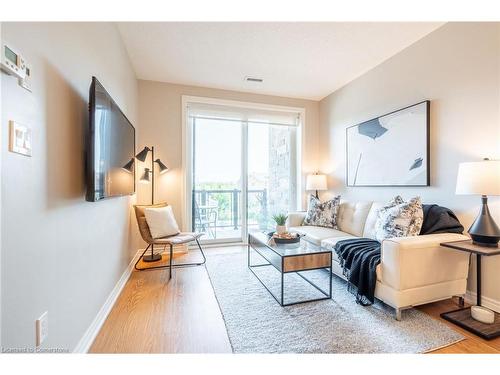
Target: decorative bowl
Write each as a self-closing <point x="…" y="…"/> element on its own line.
<point x="279" y="239"/>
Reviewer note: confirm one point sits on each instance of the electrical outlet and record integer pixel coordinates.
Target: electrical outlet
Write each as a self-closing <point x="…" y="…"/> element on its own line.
<point x="42" y="328"/>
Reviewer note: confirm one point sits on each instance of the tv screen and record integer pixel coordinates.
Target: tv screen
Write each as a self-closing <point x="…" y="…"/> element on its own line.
<point x="110" y="148"/>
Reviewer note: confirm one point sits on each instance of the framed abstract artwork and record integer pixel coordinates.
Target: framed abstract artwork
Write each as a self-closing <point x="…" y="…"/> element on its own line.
<point x="390" y="150"/>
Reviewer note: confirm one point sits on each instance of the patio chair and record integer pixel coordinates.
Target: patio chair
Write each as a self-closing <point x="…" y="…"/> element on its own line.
<point x="178" y="239"/>
<point x="205" y="217"/>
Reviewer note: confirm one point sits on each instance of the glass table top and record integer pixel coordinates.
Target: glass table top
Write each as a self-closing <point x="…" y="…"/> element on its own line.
<point x="299" y="248"/>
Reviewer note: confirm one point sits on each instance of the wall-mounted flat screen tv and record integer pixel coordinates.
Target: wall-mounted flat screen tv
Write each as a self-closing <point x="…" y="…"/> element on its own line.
<point x="110" y="148"/>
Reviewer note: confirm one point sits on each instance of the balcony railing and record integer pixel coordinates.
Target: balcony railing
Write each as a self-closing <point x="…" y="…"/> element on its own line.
<point x="220" y="209"/>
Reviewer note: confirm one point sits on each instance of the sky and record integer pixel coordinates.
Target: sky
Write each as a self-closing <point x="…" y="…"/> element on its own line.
<point x="218" y="159"/>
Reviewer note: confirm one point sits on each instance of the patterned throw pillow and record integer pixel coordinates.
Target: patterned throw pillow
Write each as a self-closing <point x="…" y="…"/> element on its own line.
<point x="399" y="219"/>
<point x="322" y="214"/>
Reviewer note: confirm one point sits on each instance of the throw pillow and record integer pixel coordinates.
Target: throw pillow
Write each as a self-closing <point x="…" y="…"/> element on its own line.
<point x="322" y="214"/>
<point x="399" y="219"/>
<point x="161" y="221"/>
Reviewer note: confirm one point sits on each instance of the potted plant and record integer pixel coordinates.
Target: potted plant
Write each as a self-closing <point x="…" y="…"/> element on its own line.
<point x="280" y="220"/>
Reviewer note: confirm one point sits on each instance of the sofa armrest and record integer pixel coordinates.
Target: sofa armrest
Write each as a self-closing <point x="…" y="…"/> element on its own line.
<point x="295" y="219"/>
<point x="412" y="262"/>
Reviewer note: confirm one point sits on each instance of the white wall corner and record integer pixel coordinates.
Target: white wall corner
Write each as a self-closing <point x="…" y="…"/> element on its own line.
<point x="1" y="127"/>
<point x="89" y="336"/>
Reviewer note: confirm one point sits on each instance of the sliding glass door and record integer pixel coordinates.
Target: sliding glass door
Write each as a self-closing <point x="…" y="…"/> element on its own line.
<point x="217" y="178"/>
<point x="244" y="170"/>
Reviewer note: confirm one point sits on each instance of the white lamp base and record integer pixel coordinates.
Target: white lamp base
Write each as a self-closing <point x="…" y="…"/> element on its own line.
<point x="482" y="314"/>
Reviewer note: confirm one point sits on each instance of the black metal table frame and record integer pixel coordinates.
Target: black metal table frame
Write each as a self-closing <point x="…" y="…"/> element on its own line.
<point x="478" y="303"/>
<point x="282" y="257"/>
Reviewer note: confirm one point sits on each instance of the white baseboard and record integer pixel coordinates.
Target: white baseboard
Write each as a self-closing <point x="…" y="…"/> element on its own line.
<point x="88" y="338"/>
<point x="470" y="297"/>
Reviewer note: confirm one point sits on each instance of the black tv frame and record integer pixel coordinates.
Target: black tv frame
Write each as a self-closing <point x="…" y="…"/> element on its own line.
<point x="90" y="195"/>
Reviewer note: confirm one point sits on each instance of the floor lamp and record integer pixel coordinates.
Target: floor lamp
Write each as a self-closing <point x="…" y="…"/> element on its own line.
<point x="145" y="178"/>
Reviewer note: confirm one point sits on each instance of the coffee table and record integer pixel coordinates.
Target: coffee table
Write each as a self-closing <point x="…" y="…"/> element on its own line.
<point x="290" y="258"/>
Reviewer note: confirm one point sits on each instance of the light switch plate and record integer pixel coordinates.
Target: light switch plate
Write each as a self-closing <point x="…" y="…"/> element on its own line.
<point x="42" y="328"/>
<point x="20" y="138"/>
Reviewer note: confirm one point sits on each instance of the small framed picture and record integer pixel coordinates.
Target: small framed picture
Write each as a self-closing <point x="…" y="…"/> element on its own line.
<point x="20" y="139"/>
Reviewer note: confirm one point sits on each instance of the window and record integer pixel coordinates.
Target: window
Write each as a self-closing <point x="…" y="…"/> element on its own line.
<point x="242" y="167"/>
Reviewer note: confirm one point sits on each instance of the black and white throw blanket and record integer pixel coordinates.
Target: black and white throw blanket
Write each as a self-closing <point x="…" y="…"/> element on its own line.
<point x="359" y="257"/>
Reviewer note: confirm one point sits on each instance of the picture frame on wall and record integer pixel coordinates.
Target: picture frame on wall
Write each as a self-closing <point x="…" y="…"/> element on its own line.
<point x="20" y="139"/>
<point x="390" y="150"/>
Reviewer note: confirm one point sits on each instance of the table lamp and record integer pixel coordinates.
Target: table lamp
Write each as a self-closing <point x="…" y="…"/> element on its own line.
<point x="481" y="178"/>
<point x="316" y="182"/>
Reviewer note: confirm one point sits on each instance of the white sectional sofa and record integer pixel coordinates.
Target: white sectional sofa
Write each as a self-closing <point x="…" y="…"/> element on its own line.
<point x="412" y="270"/>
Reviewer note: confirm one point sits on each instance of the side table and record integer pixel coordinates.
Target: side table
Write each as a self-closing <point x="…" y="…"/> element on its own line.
<point x="462" y="317"/>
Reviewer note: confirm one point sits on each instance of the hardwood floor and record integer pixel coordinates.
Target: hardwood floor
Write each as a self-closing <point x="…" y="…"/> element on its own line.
<point x="472" y="343"/>
<point x="183" y="316"/>
<point x="153" y="315"/>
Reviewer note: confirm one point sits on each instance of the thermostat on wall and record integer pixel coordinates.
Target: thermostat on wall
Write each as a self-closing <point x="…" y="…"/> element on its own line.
<point x="26" y="81"/>
<point x="12" y="62"/>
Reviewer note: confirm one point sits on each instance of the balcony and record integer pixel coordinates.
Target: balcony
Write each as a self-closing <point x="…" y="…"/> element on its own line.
<point x="218" y="213"/>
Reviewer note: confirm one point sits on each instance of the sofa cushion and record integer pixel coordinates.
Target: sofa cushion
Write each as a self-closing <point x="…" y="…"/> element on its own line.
<point x="317" y="234"/>
<point x="371" y="219"/>
<point x="399" y="219"/>
<point x="295" y="219"/>
<point x="330" y="243"/>
<point x="322" y="214"/>
<point x="352" y="217"/>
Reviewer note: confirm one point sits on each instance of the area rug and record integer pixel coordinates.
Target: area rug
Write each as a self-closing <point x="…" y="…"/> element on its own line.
<point x="256" y="323"/>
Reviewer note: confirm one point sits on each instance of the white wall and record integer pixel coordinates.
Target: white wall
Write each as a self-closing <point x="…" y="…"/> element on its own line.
<point x="1" y="143"/>
<point x="457" y="68"/>
<point x="160" y="115"/>
<point x="60" y="253"/>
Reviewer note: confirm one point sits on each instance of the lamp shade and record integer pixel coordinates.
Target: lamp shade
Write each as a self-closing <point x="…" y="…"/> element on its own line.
<point x="145" y="176"/>
<point x="129" y="166"/>
<point x="316" y="182"/>
<point x="479" y="177"/>
<point x="163" y="167"/>
<point x="143" y="154"/>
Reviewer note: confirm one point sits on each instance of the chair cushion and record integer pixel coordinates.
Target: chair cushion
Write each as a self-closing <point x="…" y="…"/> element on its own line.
<point x="161" y="221"/>
<point x="317" y="234"/>
<point x="141" y="220"/>
<point x="183" y="237"/>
